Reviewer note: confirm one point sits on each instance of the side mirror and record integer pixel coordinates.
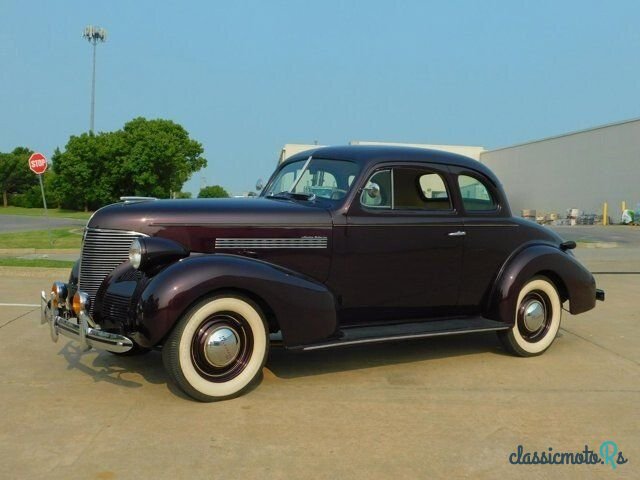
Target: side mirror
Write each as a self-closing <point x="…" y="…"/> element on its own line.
<point x="372" y="189"/>
<point x="259" y="185"/>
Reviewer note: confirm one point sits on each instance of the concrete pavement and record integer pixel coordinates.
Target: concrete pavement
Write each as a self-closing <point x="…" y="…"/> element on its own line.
<point x="453" y="407"/>
<point x="621" y="235"/>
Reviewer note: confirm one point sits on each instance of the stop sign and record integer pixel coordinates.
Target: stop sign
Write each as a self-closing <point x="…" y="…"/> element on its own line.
<point x="38" y="163"/>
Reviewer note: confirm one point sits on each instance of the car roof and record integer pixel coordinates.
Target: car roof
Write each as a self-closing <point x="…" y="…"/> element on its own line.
<point x="372" y="154"/>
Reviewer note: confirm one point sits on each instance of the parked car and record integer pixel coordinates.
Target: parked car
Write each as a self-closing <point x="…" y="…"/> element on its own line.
<point x="345" y="245"/>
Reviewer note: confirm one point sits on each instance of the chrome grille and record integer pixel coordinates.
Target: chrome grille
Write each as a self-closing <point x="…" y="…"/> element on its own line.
<point x="115" y="306"/>
<point x="102" y="252"/>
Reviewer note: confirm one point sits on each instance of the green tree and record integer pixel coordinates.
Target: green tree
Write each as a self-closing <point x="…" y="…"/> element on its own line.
<point x="15" y="176"/>
<point x="84" y="171"/>
<point x="182" y="195"/>
<point x="146" y="158"/>
<point x="32" y="196"/>
<point x="213" y="191"/>
<point x="160" y="157"/>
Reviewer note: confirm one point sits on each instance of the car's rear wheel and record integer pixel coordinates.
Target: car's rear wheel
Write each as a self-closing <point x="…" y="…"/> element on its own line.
<point x="218" y="348"/>
<point x="537" y="319"/>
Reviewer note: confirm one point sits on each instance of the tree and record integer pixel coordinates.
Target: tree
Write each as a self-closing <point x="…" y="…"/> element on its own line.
<point x="146" y="158"/>
<point x="213" y="191"/>
<point x="15" y="176"/>
<point x="160" y="157"/>
<point x="31" y="197"/>
<point x="85" y="171"/>
<point x="182" y="195"/>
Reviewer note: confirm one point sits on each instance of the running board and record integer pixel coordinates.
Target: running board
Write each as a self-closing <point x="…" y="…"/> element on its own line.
<point x="405" y="331"/>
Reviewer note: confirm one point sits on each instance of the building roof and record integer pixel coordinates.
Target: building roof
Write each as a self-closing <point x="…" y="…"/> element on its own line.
<point x="568" y="134"/>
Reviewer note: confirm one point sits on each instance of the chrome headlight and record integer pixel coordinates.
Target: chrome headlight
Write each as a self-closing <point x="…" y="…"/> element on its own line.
<point x="59" y="291"/>
<point x="135" y="254"/>
<point x="81" y="302"/>
<point x="147" y="253"/>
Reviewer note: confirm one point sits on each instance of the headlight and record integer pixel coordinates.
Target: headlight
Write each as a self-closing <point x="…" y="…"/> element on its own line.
<point x="59" y="291"/>
<point x="135" y="254"/>
<point x="147" y="253"/>
<point x="80" y="302"/>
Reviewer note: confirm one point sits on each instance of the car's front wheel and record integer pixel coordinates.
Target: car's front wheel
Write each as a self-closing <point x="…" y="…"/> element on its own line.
<point x="537" y="319"/>
<point x="218" y="348"/>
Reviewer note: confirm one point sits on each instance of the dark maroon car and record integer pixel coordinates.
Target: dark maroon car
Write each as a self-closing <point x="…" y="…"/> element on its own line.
<point x="345" y="245"/>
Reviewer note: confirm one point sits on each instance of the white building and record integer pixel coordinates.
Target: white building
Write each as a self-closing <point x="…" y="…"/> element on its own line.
<point x="580" y="169"/>
<point x="291" y="149"/>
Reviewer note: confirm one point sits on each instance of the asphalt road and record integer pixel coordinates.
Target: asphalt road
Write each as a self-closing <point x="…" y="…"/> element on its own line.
<point x="20" y="223"/>
<point x="454" y="407"/>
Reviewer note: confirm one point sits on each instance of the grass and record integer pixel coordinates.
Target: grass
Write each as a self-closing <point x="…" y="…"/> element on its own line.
<point x="59" y="238"/>
<point x="36" y="262"/>
<point x="39" y="212"/>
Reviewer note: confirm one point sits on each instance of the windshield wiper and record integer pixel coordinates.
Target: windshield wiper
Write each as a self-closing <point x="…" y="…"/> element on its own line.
<point x="292" y="195"/>
<point x="296" y="195"/>
<point x="304" y="169"/>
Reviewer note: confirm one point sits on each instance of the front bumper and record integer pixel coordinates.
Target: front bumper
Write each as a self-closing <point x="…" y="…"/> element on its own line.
<point x="79" y="329"/>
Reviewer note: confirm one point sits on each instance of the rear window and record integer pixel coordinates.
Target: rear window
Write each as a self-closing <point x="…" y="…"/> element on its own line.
<point x="476" y="196"/>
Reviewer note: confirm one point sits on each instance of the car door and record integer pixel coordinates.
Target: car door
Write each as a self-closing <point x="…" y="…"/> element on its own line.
<point x="401" y="253"/>
<point x="491" y="236"/>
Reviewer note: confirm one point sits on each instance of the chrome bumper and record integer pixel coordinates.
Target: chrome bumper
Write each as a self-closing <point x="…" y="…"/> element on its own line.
<point x="80" y="330"/>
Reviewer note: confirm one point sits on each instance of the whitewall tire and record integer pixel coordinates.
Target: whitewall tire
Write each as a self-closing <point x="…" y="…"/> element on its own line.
<point x="218" y="348"/>
<point x="537" y="319"/>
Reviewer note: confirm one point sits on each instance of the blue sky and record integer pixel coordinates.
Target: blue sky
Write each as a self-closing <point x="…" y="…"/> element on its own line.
<point x="246" y="77"/>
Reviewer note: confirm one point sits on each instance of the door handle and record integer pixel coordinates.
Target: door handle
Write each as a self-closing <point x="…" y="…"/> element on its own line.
<point x="459" y="233"/>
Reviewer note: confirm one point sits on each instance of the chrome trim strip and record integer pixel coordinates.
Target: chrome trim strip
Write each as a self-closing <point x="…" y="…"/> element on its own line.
<point x="272" y="243"/>
<point x="310" y="226"/>
<point x="402" y="337"/>
<point x="107" y="230"/>
<point x="393" y="190"/>
<point x="135" y="199"/>
<point x="425" y="224"/>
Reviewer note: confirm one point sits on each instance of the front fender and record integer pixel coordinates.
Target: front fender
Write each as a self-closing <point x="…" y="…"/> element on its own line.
<point x="305" y="309"/>
<point x="572" y="280"/>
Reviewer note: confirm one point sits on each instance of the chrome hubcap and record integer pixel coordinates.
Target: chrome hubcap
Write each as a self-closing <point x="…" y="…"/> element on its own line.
<point x="222" y="347"/>
<point x="534" y="315"/>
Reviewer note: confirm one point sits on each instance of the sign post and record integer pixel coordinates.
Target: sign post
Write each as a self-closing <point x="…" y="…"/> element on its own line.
<point x="38" y="165"/>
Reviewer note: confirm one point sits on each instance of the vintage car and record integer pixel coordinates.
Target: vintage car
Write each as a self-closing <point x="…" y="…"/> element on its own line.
<point x="345" y="245"/>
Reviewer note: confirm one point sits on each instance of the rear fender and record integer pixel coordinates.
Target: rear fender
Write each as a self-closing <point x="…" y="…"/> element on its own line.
<point x="304" y="309"/>
<point x="571" y="278"/>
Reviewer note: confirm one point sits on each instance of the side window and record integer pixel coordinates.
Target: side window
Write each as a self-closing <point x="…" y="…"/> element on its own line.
<point x="434" y="192"/>
<point x="417" y="189"/>
<point x="475" y="195"/>
<point x="377" y="192"/>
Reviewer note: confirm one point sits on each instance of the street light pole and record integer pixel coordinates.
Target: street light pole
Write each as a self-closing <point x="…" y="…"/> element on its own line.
<point x="94" y="35"/>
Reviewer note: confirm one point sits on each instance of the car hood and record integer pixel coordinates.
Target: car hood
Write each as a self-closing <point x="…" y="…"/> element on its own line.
<point x="152" y="216"/>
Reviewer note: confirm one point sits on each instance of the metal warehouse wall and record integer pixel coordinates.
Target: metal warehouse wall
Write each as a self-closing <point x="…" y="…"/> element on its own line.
<point x="578" y="170"/>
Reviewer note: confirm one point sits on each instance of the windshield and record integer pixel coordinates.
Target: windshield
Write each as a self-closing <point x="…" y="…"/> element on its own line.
<point x="314" y="178"/>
